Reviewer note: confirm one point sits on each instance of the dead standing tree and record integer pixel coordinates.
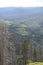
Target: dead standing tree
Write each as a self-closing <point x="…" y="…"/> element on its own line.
<point x="3" y="43"/>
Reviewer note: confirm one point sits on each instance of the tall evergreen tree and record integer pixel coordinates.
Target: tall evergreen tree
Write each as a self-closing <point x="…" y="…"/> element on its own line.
<point x="25" y="52"/>
<point x="35" y="55"/>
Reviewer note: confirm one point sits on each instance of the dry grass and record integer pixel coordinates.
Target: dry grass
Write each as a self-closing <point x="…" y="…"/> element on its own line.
<point x="36" y="63"/>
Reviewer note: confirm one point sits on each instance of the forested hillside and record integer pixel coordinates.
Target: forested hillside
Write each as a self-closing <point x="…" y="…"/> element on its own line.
<point x="24" y="24"/>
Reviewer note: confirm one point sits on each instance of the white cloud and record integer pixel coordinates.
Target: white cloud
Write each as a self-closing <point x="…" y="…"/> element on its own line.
<point x="40" y="0"/>
<point x="20" y="3"/>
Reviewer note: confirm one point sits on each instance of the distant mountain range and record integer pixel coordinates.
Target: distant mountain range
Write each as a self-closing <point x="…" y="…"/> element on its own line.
<point x="12" y="12"/>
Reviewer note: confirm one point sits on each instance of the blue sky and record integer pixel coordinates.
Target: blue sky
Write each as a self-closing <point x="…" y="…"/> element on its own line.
<point x="21" y="3"/>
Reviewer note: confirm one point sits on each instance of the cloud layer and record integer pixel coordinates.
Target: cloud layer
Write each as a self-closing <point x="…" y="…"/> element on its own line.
<point x="21" y="3"/>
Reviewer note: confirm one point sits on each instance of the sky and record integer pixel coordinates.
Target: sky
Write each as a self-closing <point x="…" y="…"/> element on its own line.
<point x="21" y="3"/>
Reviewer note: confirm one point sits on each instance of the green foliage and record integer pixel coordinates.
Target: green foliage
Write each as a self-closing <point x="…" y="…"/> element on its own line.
<point x="19" y="61"/>
<point x="35" y="55"/>
<point x="24" y="52"/>
<point x="24" y="47"/>
<point x="30" y="61"/>
<point x="17" y="46"/>
<point x="41" y="59"/>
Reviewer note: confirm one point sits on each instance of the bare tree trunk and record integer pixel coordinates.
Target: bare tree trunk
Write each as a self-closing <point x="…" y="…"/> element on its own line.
<point x="4" y="48"/>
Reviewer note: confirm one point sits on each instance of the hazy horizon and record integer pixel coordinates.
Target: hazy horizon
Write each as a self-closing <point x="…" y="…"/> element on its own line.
<point x="21" y="3"/>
